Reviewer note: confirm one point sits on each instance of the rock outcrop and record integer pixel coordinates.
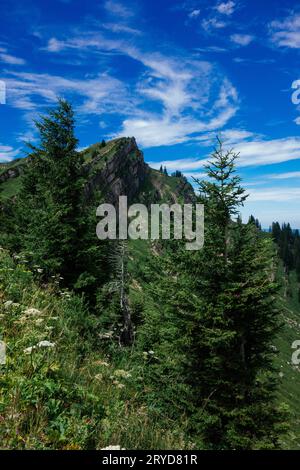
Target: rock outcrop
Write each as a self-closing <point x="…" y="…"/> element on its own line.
<point x="118" y="168"/>
<point x="10" y="173"/>
<point x="123" y="173"/>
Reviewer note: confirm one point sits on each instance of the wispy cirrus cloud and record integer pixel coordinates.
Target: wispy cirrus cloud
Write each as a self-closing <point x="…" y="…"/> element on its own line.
<point x="121" y="28"/>
<point x="116" y="8"/>
<point x="184" y="114"/>
<point x="267" y="152"/>
<point x="7" y="153"/>
<point x="253" y="151"/>
<point x="185" y="95"/>
<point x="275" y="194"/>
<point x="286" y="32"/>
<point x="284" y="176"/>
<point x="7" y="58"/>
<point x="28" y="91"/>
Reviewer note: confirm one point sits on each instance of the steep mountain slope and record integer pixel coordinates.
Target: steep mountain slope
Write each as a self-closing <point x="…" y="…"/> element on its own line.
<point x="116" y="168"/>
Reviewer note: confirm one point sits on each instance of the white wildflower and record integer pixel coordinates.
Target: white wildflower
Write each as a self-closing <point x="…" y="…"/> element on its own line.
<point x="29" y="350"/>
<point x="103" y="363"/>
<point x="22" y="319"/>
<point x="8" y="303"/>
<point x="118" y="384"/>
<point x="32" y="312"/>
<point x="106" y="335"/>
<point x="45" y="344"/>
<point x="122" y="373"/>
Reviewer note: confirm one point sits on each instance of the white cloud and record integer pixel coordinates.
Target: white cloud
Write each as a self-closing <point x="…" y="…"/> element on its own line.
<point x="10" y="59"/>
<point x="194" y="13"/>
<point x="189" y="96"/>
<point x="118" y="9"/>
<point x="184" y="164"/>
<point x="242" y="39"/>
<point x="275" y="195"/>
<point x="173" y="126"/>
<point x="284" y="176"/>
<point x="121" y="28"/>
<point x="253" y="151"/>
<point x="286" y="33"/>
<point x="267" y="152"/>
<point x="213" y="23"/>
<point x="230" y="137"/>
<point x="7" y="153"/>
<point x="226" y="8"/>
<point x="28" y="91"/>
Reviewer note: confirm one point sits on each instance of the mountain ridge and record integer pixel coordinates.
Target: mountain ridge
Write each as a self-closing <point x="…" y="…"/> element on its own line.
<point x="116" y="167"/>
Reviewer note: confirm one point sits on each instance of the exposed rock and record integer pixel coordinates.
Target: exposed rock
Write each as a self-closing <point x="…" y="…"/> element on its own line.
<point x="123" y="174"/>
<point x="118" y="168"/>
<point x="10" y="173"/>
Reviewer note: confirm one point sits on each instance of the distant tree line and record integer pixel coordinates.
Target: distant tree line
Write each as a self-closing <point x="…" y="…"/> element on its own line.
<point x="288" y="242"/>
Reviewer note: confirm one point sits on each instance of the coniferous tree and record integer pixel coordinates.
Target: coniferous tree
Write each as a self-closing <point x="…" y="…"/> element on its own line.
<point x="285" y="246"/>
<point x="50" y="200"/>
<point x="219" y="322"/>
<point x="276" y="232"/>
<point x="56" y="226"/>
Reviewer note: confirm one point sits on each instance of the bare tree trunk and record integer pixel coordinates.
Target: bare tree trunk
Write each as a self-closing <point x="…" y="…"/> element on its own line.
<point x="127" y="330"/>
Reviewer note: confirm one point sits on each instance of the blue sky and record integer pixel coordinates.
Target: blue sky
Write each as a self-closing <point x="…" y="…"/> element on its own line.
<point x="171" y="73"/>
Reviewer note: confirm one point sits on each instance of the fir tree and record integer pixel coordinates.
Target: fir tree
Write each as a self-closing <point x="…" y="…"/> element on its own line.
<point x="55" y="219"/>
<point x="218" y="321"/>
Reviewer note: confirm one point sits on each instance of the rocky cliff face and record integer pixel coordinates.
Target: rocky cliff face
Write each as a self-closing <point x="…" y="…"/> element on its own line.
<point x="115" y="169"/>
<point x="8" y="172"/>
<point x="123" y="172"/>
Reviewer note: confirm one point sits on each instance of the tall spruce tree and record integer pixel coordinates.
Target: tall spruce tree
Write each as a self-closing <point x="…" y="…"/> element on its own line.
<point x="216" y="308"/>
<point x="49" y="205"/>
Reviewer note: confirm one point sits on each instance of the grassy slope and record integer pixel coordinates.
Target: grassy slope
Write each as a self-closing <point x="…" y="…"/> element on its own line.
<point x="82" y="393"/>
<point x="10" y="188"/>
<point x="289" y="373"/>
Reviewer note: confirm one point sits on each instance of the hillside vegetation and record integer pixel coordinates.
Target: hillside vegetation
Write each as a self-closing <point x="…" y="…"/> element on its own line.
<point x="140" y="343"/>
<point x="65" y="384"/>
